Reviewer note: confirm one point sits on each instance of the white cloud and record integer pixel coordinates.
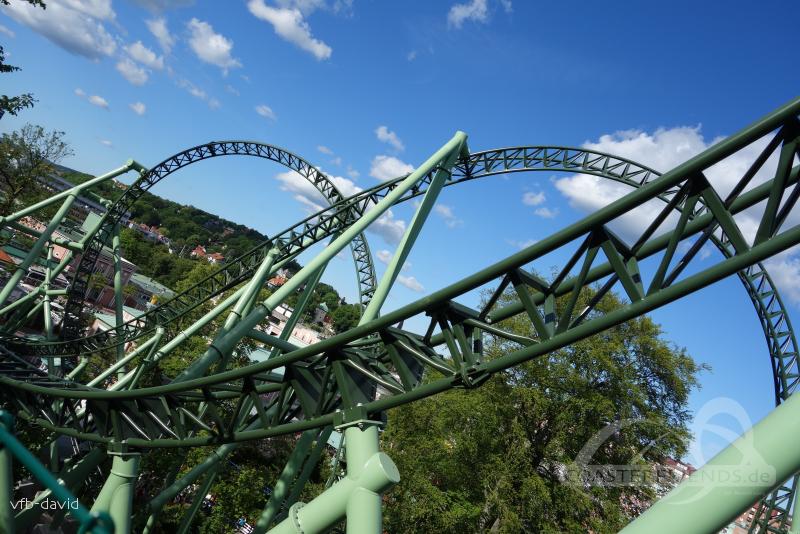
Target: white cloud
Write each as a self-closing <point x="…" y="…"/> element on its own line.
<point x="80" y="92"/>
<point x="533" y="199"/>
<point x="325" y="150"/>
<point x="210" y="46"/>
<point x="289" y="23"/>
<point x="98" y="101"/>
<point x="71" y="24"/>
<point x="388" y="167"/>
<point x="138" y="108"/>
<point x="507" y="7"/>
<point x="663" y="150"/>
<point x="306" y="7"/>
<point x="145" y="56"/>
<point x="521" y="244"/>
<point x="352" y="173"/>
<point x="98" y="9"/>
<point x="545" y="212"/>
<point x="198" y="93"/>
<point x="387" y="136"/>
<point x="476" y="10"/>
<point x="337" y="161"/>
<point x="232" y="90"/>
<point x="158" y="27"/>
<point x="411" y="56"/>
<point x="132" y="72"/>
<point x="411" y="283"/>
<point x="7" y="32"/>
<point x="158" y="6"/>
<point x="384" y="256"/>
<point x="265" y="111"/>
<point x="106" y="142"/>
<point x="305" y="192"/>
<point x="448" y="214"/>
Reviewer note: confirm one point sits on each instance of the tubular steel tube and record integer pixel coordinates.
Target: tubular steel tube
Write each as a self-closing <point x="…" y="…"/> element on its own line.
<point x="729" y="483"/>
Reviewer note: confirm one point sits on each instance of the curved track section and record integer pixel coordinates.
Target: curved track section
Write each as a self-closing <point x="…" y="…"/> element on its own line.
<point x="72" y="326"/>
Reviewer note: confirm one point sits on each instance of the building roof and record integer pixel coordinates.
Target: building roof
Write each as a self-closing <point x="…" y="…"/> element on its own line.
<point x="5" y="258"/>
<point x="150" y="285"/>
<point x="323" y="307"/>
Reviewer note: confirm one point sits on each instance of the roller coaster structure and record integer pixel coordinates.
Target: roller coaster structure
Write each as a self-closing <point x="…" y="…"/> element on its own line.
<point x="345" y="382"/>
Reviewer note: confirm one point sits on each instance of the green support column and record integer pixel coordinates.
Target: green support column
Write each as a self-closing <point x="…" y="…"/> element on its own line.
<point x="116" y="251"/>
<point x="711" y="498"/>
<point x="364" y="510"/>
<point x="795" y="528"/>
<point x="376" y="473"/>
<point x="116" y="497"/>
<point x="413" y="230"/>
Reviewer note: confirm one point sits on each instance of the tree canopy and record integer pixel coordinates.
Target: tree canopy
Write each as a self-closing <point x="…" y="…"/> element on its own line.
<point x="495" y="458"/>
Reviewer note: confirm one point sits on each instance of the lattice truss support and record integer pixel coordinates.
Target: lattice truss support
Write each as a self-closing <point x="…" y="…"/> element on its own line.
<point x="347" y="381"/>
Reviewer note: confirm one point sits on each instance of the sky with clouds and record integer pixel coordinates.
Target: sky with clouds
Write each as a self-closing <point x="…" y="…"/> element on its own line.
<point x="367" y="90"/>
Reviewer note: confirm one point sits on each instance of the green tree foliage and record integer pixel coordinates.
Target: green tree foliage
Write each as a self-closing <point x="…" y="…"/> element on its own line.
<point x="345" y="317"/>
<point x="494" y="459"/>
<point x="26" y="155"/>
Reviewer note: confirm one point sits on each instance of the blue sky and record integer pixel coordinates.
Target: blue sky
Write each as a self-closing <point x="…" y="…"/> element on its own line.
<point x="367" y="89"/>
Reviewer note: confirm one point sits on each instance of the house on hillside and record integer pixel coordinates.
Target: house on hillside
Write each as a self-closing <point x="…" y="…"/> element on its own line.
<point x="198" y="252"/>
<point x="215" y="258"/>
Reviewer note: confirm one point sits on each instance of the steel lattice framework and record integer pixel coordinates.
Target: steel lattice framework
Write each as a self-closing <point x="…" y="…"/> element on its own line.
<point x="346" y="381"/>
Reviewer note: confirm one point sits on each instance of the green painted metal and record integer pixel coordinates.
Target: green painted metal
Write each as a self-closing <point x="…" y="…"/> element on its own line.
<point x="729" y="483"/>
<point x="338" y="373"/>
<point x="116" y="496"/>
<point x="90" y="522"/>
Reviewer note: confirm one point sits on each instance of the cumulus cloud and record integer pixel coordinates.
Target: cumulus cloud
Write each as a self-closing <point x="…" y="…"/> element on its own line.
<point x="265" y="111"/>
<point x="145" y="56"/>
<point x="132" y="72"/>
<point x="384" y="256"/>
<point x="476" y="10"/>
<point x="98" y="101"/>
<point x="447" y="213"/>
<point x="289" y="23"/>
<point x="211" y="47"/>
<point x="388" y="167"/>
<point x="138" y="108"/>
<point x="74" y="25"/>
<point x="158" y="27"/>
<point x="387" y="136"/>
<point x="98" y="9"/>
<point x="411" y="283"/>
<point x="325" y="150"/>
<point x="533" y="199"/>
<point x="545" y="212"/>
<point x="352" y="173"/>
<point x="663" y="150"/>
<point x="7" y="32"/>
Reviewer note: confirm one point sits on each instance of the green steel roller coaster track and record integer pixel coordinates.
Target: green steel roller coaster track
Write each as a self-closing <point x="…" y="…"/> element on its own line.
<point x="346" y="382"/>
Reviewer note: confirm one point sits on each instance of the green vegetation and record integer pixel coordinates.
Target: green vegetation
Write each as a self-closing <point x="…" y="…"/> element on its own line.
<point x="494" y="459"/>
<point x="25" y="155"/>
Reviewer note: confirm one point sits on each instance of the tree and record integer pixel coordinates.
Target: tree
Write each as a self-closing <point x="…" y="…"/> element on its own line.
<point x="345" y="317"/>
<point x="494" y="459"/>
<point x="15" y="104"/>
<point x="26" y="156"/>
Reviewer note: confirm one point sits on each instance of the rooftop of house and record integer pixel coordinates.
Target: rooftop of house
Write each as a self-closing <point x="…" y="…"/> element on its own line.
<point x="150" y="285"/>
